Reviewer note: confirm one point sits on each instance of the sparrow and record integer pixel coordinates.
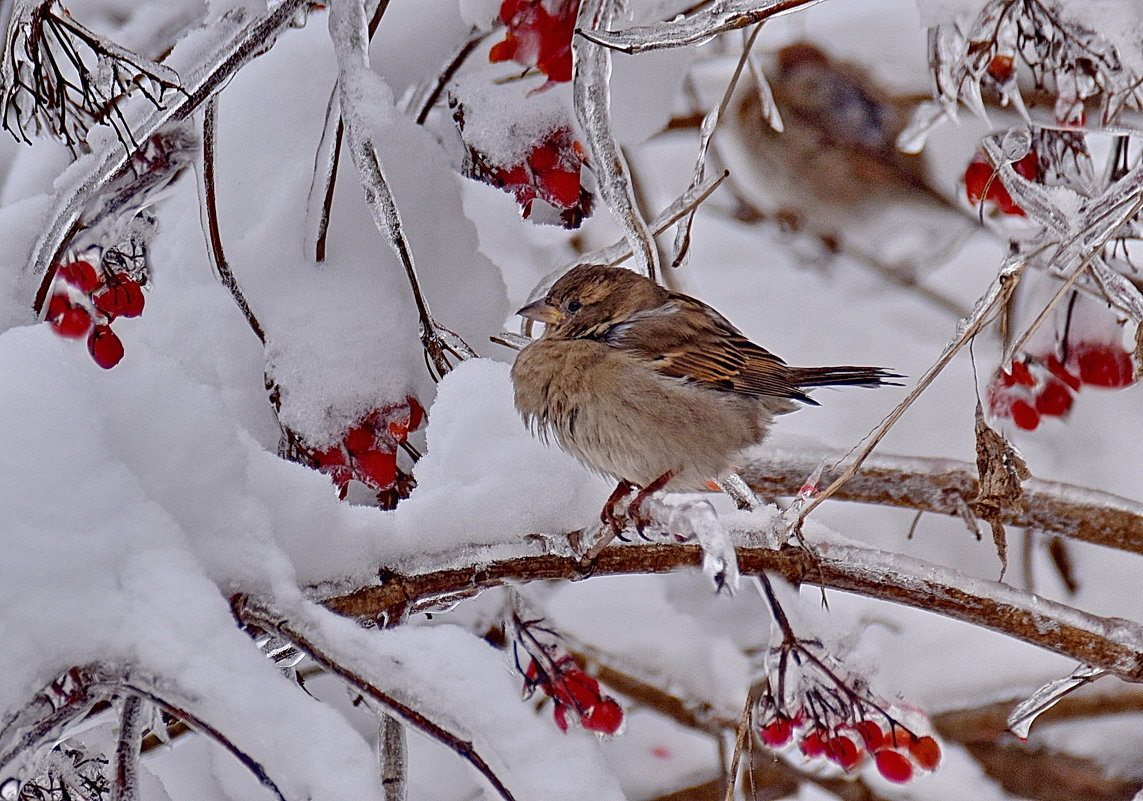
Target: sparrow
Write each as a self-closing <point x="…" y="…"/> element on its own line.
<point x="653" y="388"/>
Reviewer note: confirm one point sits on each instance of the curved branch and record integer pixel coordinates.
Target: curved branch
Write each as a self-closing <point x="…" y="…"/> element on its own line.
<point x="260" y="614"/>
<point x="1111" y="643"/>
<point x="939" y="485"/>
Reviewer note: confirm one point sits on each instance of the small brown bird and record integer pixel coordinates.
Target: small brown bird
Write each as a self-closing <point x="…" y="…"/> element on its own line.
<point x="653" y="388"/>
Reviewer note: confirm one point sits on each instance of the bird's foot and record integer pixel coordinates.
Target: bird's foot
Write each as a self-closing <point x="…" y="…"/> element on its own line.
<point x="635" y="512"/>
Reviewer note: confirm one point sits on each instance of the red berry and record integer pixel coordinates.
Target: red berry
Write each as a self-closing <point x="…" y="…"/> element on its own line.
<point x="926" y="751"/>
<point x="1024" y="416"/>
<point x="871" y="733"/>
<point x="73" y="323"/>
<point x="893" y="766"/>
<point x="377" y="468"/>
<point x="1061" y="372"/>
<point x="605" y="717"/>
<point x="1054" y="399"/>
<point x="777" y="732"/>
<point x="1019" y="373"/>
<point x="1000" y="68"/>
<point x="1104" y="365"/>
<point x="81" y="275"/>
<point x="543" y="158"/>
<point x="562" y="187"/>
<point x="560" y="715"/>
<point x="360" y="439"/>
<point x="105" y="347"/>
<point x="123" y="297"/>
<point x="330" y="457"/>
<point x="59" y="304"/>
<point x="812" y="745"/>
<point x="976" y="178"/>
<point x="1029" y="166"/>
<point x="843" y="751"/>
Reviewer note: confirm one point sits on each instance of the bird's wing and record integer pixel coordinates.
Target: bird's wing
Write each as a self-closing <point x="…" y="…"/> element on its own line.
<point x="685" y="338"/>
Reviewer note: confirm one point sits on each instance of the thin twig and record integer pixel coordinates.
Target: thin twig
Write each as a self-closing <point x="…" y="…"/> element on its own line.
<point x="125" y="783"/>
<point x="210" y="211"/>
<point x="261" y="615"/>
<point x="997" y="294"/>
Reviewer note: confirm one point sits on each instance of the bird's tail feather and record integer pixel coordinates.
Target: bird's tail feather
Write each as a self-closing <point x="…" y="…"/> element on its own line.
<point x="846" y="376"/>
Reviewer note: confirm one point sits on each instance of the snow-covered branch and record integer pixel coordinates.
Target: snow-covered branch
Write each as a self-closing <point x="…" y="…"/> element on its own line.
<point x="1111" y="643"/>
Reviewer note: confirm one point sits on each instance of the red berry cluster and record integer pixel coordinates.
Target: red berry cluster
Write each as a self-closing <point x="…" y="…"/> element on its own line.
<point x="981" y="182"/>
<point x="551" y="173"/>
<point x="576" y="692"/>
<point x="86" y="301"/>
<point x="368" y="450"/>
<point x="1039" y="386"/>
<point x="539" y="35"/>
<point x="896" y="752"/>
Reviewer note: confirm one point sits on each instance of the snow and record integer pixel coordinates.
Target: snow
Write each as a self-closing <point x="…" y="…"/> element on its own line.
<point x="135" y="502"/>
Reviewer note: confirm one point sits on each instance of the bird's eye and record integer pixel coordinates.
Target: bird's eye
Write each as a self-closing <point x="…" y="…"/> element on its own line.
<point x="574" y="306"/>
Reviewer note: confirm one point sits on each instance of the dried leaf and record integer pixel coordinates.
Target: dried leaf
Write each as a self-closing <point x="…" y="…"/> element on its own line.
<point x="1138" y="352"/>
<point x="1001" y="470"/>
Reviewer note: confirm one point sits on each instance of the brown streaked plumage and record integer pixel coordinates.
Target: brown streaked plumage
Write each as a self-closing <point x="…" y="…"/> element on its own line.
<point x="653" y="388"/>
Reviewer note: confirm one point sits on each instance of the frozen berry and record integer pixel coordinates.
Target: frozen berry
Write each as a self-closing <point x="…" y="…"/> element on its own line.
<point x="1054" y="399"/>
<point x="1000" y="68"/>
<point x="976" y="178"/>
<point x="378" y="468"/>
<point x="812" y="745"/>
<point x="926" y="751"/>
<point x="1059" y="371"/>
<point x="1104" y="365"/>
<point x="893" y="766"/>
<point x="105" y="347"/>
<point x="123" y="297"/>
<point x="843" y="751"/>
<point x="73" y="323"/>
<point x="605" y="717"/>
<point x="59" y="304"/>
<point x="777" y="732"/>
<point x="81" y="275"/>
<point x="360" y="439"/>
<point x="870" y="733"/>
<point x="1024" y="416"/>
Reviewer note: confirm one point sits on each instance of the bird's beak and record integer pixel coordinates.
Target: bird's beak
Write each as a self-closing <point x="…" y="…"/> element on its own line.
<point x="542" y="312"/>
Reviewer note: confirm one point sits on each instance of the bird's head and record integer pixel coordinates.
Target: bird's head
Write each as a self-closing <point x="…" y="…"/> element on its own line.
<point x="588" y="300"/>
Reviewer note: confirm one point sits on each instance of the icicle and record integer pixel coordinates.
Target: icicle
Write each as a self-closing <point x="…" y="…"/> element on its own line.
<point x="1025" y="714"/>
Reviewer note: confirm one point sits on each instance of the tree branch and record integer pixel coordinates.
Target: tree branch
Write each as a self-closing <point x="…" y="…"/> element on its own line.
<point x="1110" y="643"/>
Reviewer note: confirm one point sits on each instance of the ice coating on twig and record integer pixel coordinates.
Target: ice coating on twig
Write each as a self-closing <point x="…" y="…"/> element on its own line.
<point x="696" y="519"/>
<point x="592" y="99"/>
<point x="1024" y="715"/>
<point x="696" y="28"/>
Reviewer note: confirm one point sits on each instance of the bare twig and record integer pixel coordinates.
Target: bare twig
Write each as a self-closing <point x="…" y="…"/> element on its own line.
<point x="394" y="758"/>
<point x="1113" y="644"/>
<point x="125" y="783"/>
<point x="71" y="201"/>
<point x="997" y="294"/>
<point x="209" y="206"/>
<point x="262" y="615"/>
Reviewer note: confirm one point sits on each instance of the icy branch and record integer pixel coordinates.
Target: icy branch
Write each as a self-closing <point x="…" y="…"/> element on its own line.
<point x="1113" y="644"/>
<point x="299" y="626"/>
<point x="96" y="173"/>
<point x="125" y="782"/>
<point x="349" y="31"/>
<point x="591" y="93"/>
<point x="726" y="15"/>
<point x="935" y="485"/>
